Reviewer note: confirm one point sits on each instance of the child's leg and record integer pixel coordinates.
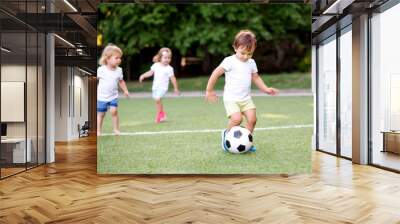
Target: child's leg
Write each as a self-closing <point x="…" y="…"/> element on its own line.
<point x="234" y="114"/>
<point x="157" y="95"/>
<point x="159" y="106"/>
<point x="100" y="118"/>
<point x="234" y="120"/>
<point x="160" y="109"/>
<point x="101" y="113"/>
<point x="115" y="119"/>
<point x="251" y="119"/>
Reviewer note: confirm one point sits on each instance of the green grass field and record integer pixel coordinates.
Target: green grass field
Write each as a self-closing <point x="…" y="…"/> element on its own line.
<point x="278" y="150"/>
<point x="280" y="81"/>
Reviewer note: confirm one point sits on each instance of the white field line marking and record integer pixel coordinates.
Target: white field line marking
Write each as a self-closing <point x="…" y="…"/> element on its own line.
<point x="204" y="130"/>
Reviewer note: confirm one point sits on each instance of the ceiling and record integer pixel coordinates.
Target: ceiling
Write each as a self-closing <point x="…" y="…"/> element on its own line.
<point x="328" y="16"/>
<point x="74" y="22"/>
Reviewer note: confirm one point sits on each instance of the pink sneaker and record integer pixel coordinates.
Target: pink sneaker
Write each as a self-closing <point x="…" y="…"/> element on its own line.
<point x="163" y="116"/>
<point x="158" y="118"/>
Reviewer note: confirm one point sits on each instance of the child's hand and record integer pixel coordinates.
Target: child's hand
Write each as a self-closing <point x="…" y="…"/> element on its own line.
<point x="211" y="96"/>
<point x="177" y="92"/>
<point x="126" y="93"/>
<point x="141" y="79"/>
<point x="272" y="91"/>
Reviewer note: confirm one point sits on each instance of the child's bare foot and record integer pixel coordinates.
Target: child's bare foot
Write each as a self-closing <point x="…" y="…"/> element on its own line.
<point x="117" y="132"/>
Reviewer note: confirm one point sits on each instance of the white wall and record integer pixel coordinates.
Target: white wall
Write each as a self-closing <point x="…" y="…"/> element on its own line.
<point x="16" y="73"/>
<point x="71" y="102"/>
<point x="61" y="103"/>
<point x="80" y="110"/>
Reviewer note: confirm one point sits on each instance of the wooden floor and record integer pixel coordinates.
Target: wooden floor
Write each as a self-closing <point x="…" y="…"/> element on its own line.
<point x="70" y="191"/>
<point x="10" y="171"/>
<point x="387" y="159"/>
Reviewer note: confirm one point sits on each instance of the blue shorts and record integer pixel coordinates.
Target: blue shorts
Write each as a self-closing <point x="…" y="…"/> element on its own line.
<point x="102" y="106"/>
<point x="159" y="93"/>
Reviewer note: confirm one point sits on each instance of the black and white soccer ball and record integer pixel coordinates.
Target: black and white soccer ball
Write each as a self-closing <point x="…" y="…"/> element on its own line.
<point x="238" y="140"/>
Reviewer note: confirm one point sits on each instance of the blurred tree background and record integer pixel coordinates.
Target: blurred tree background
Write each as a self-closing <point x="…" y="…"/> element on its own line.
<point x="201" y="35"/>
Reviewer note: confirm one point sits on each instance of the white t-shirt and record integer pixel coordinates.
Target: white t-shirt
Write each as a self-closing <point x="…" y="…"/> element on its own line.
<point x="238" y="76"/>
<point x="162" y="73"/>
<point x="107" y="89"/>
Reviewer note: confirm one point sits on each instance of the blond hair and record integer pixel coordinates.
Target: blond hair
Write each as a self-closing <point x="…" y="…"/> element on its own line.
<point x="157" y="57"/>
<point x="109" y="51"/>
<point x="245" y="38"/>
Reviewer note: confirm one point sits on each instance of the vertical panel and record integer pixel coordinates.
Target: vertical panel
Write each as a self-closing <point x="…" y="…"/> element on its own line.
<point x="32" y="88"/>
<point x="41" y="99"/>
<point x="14" y="154"/>
<point x="345" y="93"/>
<point x="31" y="101"/>
<point x="23" y="140"/>
<point x="385" y="89"/>
<point x="327" y="96"/>
<point x="1" y="54"/>
<point x="360" y="90"/>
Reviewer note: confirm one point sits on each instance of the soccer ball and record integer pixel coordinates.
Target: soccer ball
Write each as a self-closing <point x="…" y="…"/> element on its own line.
<point x="238" y="140"/>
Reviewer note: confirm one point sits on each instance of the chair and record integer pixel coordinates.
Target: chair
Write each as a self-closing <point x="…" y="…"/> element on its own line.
<point x="84" y="130"/>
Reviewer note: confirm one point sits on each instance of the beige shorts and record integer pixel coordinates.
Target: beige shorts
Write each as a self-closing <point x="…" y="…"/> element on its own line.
<point x="232" y="107"/>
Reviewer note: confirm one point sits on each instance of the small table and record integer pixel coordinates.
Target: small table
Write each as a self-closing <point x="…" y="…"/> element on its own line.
<point x="18" y="151"/>
<point x="391" y="141"/>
